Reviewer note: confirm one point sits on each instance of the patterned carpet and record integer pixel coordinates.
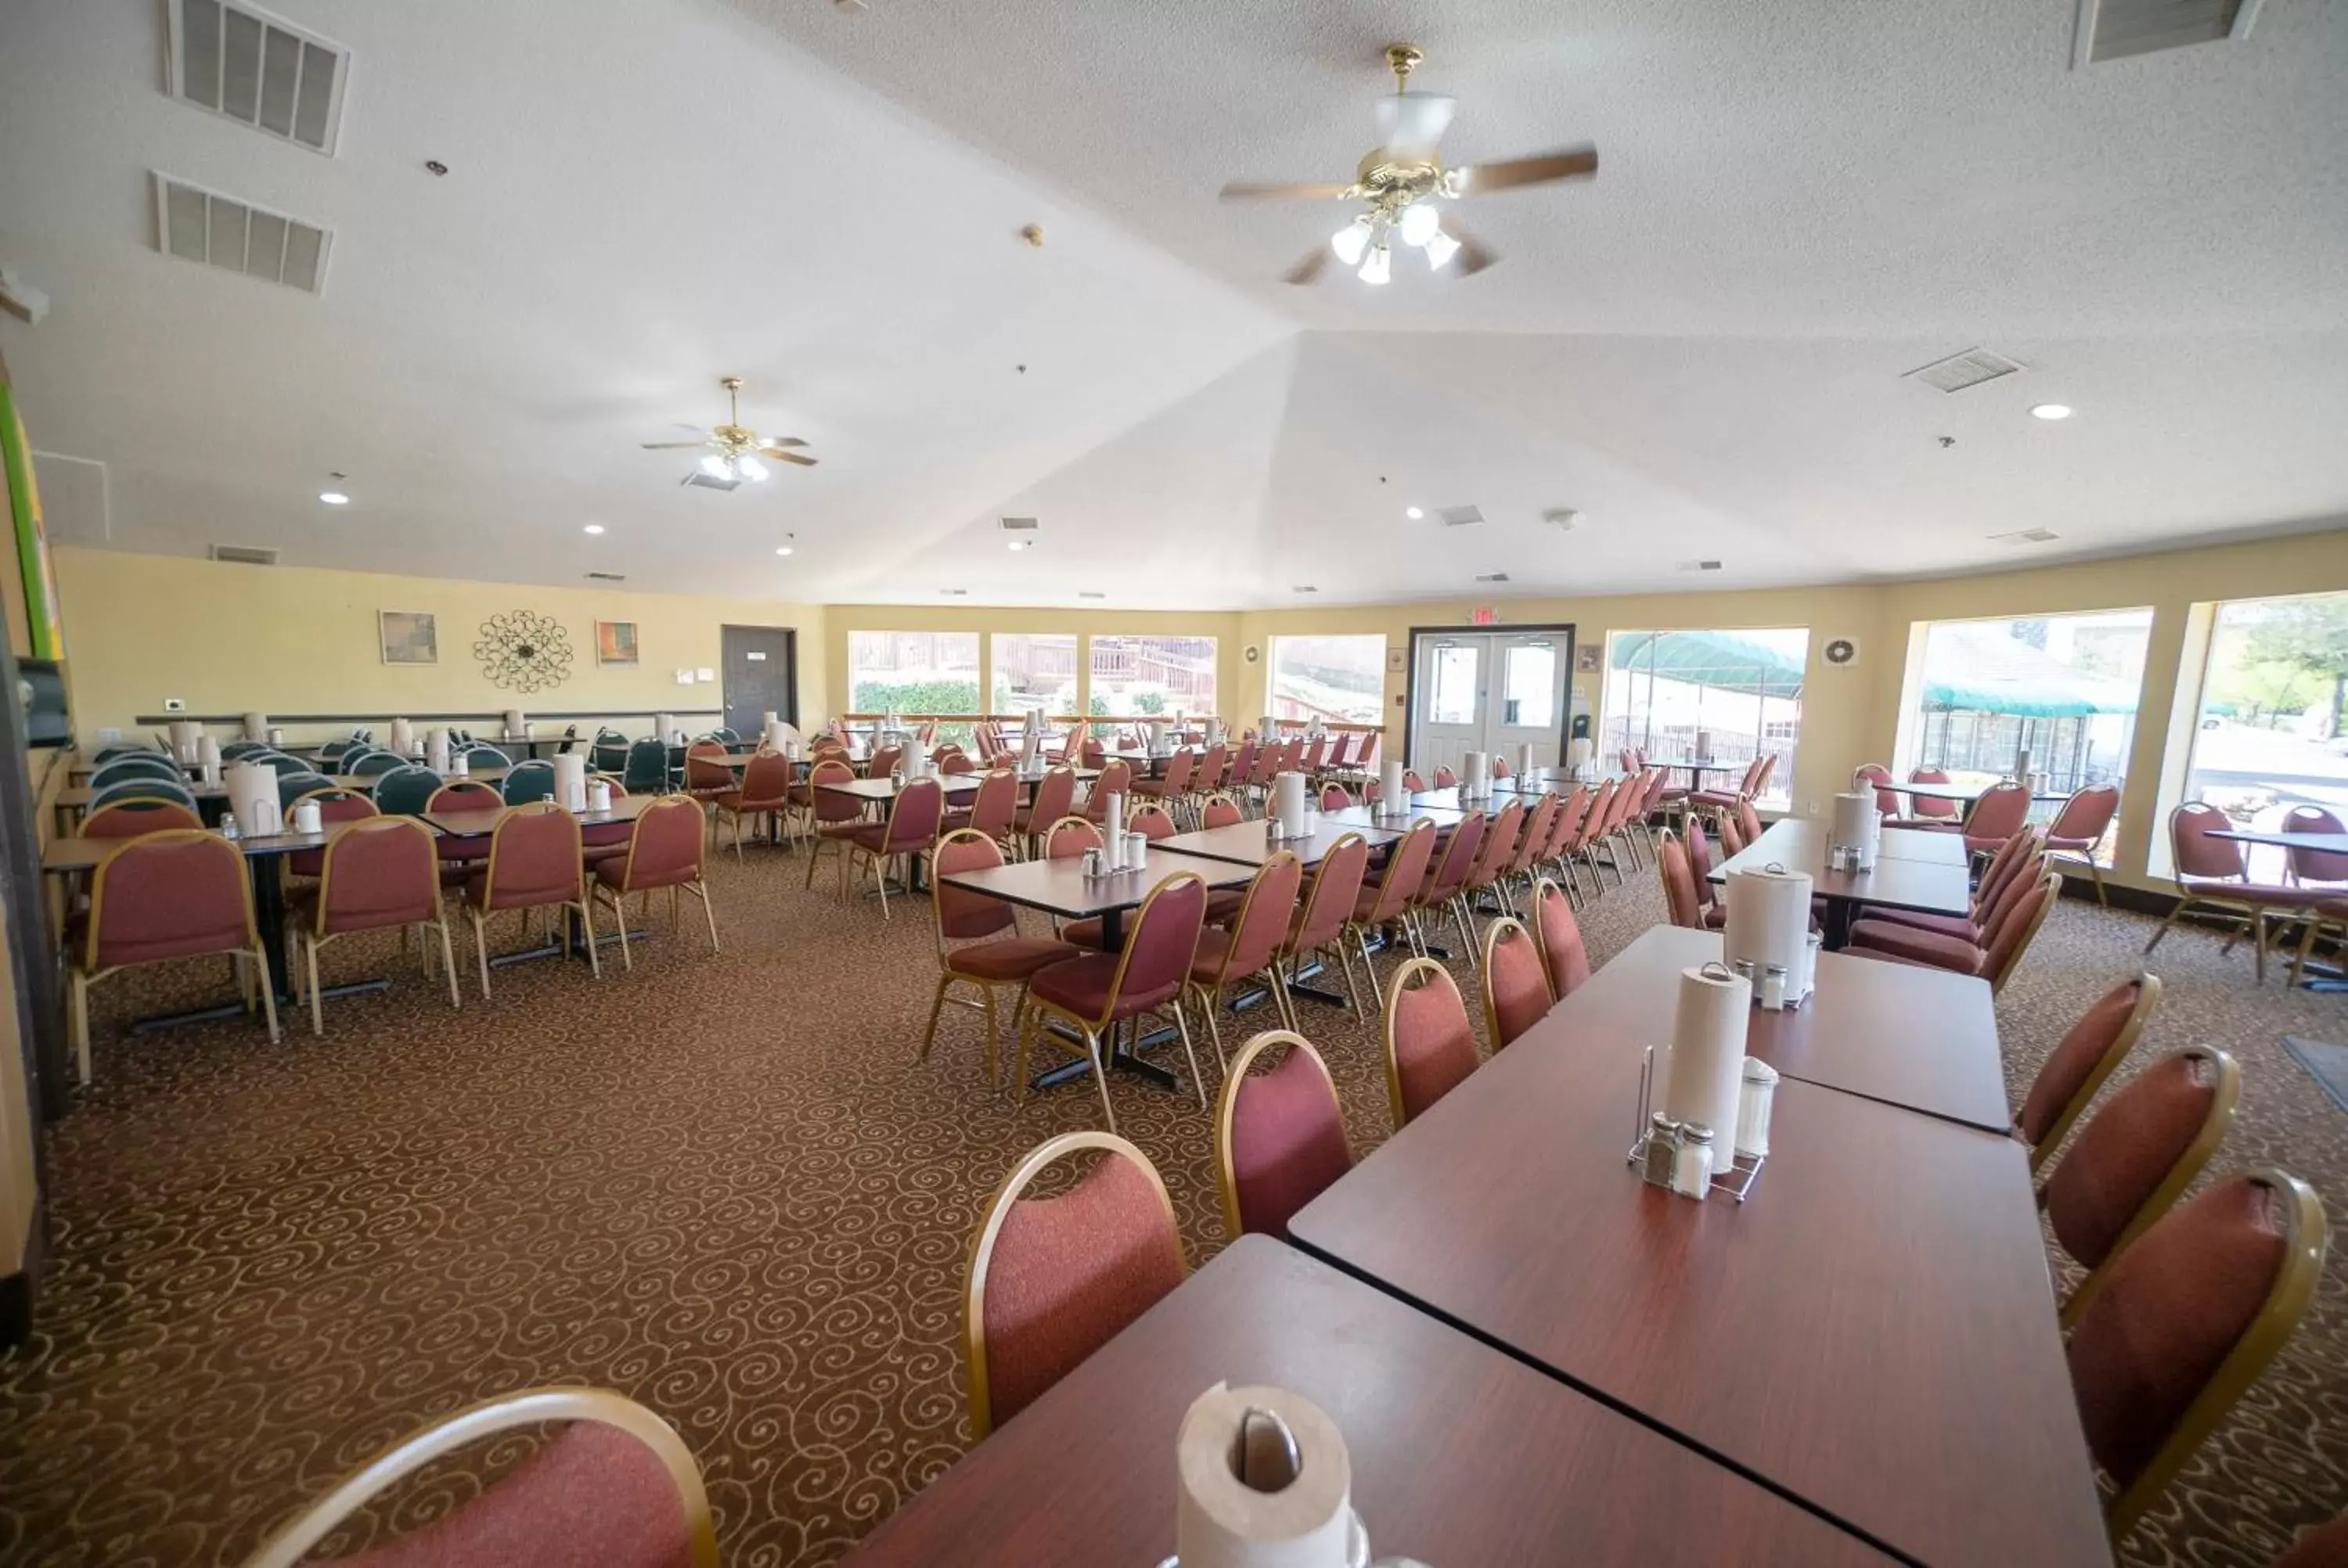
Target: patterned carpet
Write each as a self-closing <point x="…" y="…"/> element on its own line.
<point x="725" y="1188"/>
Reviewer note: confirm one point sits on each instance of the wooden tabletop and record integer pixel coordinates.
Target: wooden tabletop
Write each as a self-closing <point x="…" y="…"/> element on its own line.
<point x="1061" y="887"/>
<point x="1460" y="1456"/>
<point x="69" y="853"/>
<point x="1366" y="819"/>
<point x="468" y="823"/>
<point x="1252" y="843"/>
<point x="1936" y="885"/>
<point x="1922" y="1038"/>
<point x="885" y="789"/>
<point x="1959" y="792"/>
<point x="2329" y="843"/>
<point x="1873" y="1331"/>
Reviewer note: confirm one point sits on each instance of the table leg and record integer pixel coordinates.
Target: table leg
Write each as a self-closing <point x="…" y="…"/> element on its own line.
<point x="1840" y="912"/>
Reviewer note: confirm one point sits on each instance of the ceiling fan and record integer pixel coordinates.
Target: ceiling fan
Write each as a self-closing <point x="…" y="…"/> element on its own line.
<point x="734" y="452"/>
<point x="1402" y="178"/>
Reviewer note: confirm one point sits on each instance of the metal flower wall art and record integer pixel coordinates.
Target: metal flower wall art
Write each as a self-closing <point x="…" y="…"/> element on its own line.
<point x="524" y="651"/>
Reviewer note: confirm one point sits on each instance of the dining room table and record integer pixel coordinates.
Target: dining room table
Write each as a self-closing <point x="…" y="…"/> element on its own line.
<point x="1871" y="1332"/>
<point x="1251" y="842"/>
<point x="1915" y="868"/>
<point x="1459" y="1454"/>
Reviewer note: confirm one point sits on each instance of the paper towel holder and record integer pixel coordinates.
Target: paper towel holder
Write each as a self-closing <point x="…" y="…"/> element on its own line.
<point x="1737" y="1178"/>
<point x="1264" y="1456"/>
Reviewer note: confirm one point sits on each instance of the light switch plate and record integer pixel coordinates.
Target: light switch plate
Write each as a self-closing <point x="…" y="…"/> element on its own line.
<point x="705" y="673"/>
<point x="684" y="677"/>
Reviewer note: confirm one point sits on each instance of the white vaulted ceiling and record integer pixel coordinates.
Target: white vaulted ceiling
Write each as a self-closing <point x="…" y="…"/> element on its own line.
<point x="1700" y="351"/>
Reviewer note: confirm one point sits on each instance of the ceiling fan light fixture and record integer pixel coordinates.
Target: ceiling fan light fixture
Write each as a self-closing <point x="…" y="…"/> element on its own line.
<point x="1378" y="265"/>
<point x="1350" y="241"/>
<point x="716" y="467"/>
<point x="749" y="468"/>
<point x="1419" y="223"/>
<point x="1440" y="249"/>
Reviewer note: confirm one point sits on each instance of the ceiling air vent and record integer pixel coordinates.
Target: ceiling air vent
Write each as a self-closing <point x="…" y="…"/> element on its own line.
<point x="244" y="555"/>
<point x="245" y="63"/>
<point x="1491" y="577"/>
<point x="1458" y="517"/>
<point x="607" y="577"/>
<point x="1088" y="593"/>
<point x="1019" y="525"/>
<point x="2114" y="29"/>
<point x="204" y="226"/>
<point x="1959" y="371"/>
<point x="1699" y="566"/>
<point x="2026" y="537"/>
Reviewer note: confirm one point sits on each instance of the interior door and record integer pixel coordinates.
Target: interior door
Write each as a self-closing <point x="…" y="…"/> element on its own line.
<point x="1526" y="701"/>
<point x="761" y="675"/>
<point x="1447" y="713"/>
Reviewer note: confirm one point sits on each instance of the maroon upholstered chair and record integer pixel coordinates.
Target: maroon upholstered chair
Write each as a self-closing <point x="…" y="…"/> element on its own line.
<point x="534" y="863"/>
<point x="1732" y="839"/>
<point x="1056" y="795"/>
<point x="1532" y="843"/>
<point x="462" y="854"/>
<point x="2210" y="875"/>
<point x="979" y="942"/>
<point x="2079" y="826"/>
<point x="180" y="893"/>
<point x="1412" y="781"/>
<point x="2188" y="1317"/>
<point x="1699" y="856"/>
<point x="376" y="875"/>
<point x="1053" y="1279"/>
<point x="1515" y="986"/>
<point x="2021" y="857"/>
<point x="2135" y="1158"/>
<point x="1748" y="821"/>
<point x="993" y="810"/>
<point x="1334" y="798"/>
<point x="1387" y="899"/>
<point x="1430" y="1047"/>
<point x="1446" y="779"/>
<point x="1997" y="816"/>
<point x="1327" y="908"/>
<point x="130" y="818"/>
<point x="1175" y="785"/>
<point x="2315" y="865"/>
<point x="616" y="1487"/>
<point x="1252" y="946"/>
<point x="1152" y="822"/>
<point x="1280" y="1137"/>
<point x="910" y="829"/>
<point x="708" y="774"/>
<point x="1445" y="887"/>
<point x="1932" y="808"/>
<point x="1116" y="779"/>
<point x="1562" y="952"/>
<point x="1591" y="828"/>
<point x="766" y="791"/>
<point x="1876" y="777"/>
<point x="1220" y="810"/>
<point x="335" y="804"/>
<point x="1680" y="901"/>
<point x="1502" y="832"/>
<point x="2081" y="1060"/>
<point x="601" y="841"/>
<point x="663" y="850"/>
<point x="1100" y="990"/>
<point x="883" y="761"/>
<point x="2011" y="928"/>
<point x="2318" y="1546"/>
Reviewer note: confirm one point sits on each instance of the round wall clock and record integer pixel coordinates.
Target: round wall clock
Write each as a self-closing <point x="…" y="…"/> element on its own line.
<point x="522" y="650"/>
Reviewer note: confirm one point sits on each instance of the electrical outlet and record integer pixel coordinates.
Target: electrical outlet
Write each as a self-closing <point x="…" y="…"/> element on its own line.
<point x="108" y="734"/>
<point x="175" y="705"/>
<point x="1812" y="805"/>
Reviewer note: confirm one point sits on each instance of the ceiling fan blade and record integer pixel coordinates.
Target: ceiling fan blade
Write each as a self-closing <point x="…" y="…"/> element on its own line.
<point x="672" y="446"/>
<point x="681" y="426"/>
<point x="1414" y="122"/>
<point x="1307" y="270"/>
<point x="1567" y="163"/>
<point x="1474" y="254"/>
<point x="789" y="457"/>
<point x="1266" y="190"/>
<point x="783" y="441"/>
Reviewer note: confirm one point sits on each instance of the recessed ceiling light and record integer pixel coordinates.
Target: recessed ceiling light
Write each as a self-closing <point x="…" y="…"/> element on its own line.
<point x="1305" y="588"/>
<point x="594" y="528"/>
<point x="955" y="592"/>
<point x="334" y="498"/>
<point x="1413" y="513"/>
<point x="1090" y="593"/>
<point x="1021" y="544"/>
<point x="2050" y="411"/>
<point x="782" y="549"/>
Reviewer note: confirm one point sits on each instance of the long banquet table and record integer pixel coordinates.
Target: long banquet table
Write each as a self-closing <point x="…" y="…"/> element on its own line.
<point x="1916" y="868"/>
<point x="1872" y="1334"/>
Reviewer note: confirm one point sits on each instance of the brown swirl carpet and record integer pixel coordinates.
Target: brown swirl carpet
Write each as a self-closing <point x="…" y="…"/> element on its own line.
<point x="725" y="1188"/>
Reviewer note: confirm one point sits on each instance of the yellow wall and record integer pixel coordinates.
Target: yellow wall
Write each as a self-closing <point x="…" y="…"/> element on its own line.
<point x="296" y="639"/>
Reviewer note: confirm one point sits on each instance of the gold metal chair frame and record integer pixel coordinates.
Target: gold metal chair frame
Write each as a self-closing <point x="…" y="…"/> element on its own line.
<point x="479" y="918"/>
<point x="1359" y="930"/>
<point x="1227" y="1105"/>
<point x="597" y="888"/>
<point x="289" y="1544"/>
<point x="1394" y="989"/>
<point x="305" y="944"/>
<point x="948" y="976"/>
<point x="2163" y="1198"/>
<point x="82" y="971"/>
<point x="2148" y="998"/>
<point x="1496" y="932"/>
<point x="1292" y="959"/>
<point x="879" y="859"/>
<point x="1090" y="1027"/>
<point x="2051" y="881"/>
<point x="2306" y="1234"/>
<point x="1540" y="937"/>
<point x="1211" y="995"/>
<point x="990" y="1230"/>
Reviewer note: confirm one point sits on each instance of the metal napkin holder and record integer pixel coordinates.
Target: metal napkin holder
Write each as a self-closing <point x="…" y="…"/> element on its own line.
<point x="1743" y="1170"/>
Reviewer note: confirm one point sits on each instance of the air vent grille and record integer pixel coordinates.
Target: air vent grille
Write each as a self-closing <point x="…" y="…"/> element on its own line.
<point x="1019" y="525"/>
<point x="607" y="577"/>
<point x="202" y="225"/>
<point x="2026" y="537"/>
<point x="955" y="592"/>
<point x="1458" y="517"/>
<point x="1959" y="371"/>
<point x="1491" y="577"/>
<point x="244" y="555"/>
<point x="258" y="69"/>
<point x="2114" y="29"/>
<point x="1699" y="566"/>
<point x="1090" y="593"/>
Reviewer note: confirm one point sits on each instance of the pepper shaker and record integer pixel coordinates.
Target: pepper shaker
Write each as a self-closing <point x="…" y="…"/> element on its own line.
<point x="1663" y="1134"/>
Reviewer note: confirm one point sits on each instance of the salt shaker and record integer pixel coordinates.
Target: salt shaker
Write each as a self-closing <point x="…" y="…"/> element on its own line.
<point x="1137" y="849"/>
<point x="599" y="796"/>
<point x="1772" y="988"/>
<point x="1691" y="1161"/>
<point x="1662" y="1135"/>
<point x="1092" y="863"/>
<point x="1755" y="1096"/>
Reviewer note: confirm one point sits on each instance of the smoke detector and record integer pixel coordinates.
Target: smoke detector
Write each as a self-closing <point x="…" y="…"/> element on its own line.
<point x="1561" y="517"/>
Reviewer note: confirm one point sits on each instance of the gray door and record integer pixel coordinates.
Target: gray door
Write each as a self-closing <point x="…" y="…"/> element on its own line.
<point x="761" y="675"/>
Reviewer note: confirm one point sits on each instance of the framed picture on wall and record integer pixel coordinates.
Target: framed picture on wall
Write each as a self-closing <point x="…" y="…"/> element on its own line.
<point x="615" y="642"/>
<point x="1586" y="656"/>
<point x="408" y="637"/>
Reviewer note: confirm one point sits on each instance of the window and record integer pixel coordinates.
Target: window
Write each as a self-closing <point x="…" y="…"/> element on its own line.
<point x="2271" y="716"/>
<point x="914" y="673"/>
<point x="1342" y="679"/>
<point x="2063" y="686"/>
<point x="1528" y="681"/>
<point x="1672" y="692"/>
<point x="1454" y="698"/>
<point x="1035" y="670"/>
<point x="1135" y="675"/>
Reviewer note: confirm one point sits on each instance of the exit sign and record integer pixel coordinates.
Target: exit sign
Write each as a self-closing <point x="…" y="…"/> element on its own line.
<point x="1484" y="615"/>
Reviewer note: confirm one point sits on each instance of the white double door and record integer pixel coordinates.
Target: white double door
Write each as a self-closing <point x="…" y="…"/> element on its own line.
<point x="1488" y="692"/>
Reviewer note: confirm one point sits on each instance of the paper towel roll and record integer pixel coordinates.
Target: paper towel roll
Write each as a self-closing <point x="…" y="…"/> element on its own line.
<point x="516" y="725"/>
<point x="1524" y="761"/>
<point x="1703" y="745"/>
<point x="252" y="798"/>
<point x="570" y="780"/>
<point x="2021" y="764"/>
<point x="403" y="737"/>
<point x="256" y="727"/>
<point x="207" y="760"/>
<point x="185" y="733"/>
<point x="1306" y="1520"/>
<point x="1390" y="791"/>
<point x="1578" y="754"/>
<point x="1475" y="771"/>
<point x="1856" y="824"/>
<point x="1288" y="803"/>
<point x="664" y="727"/>
<point x="1706" y="1073"/>
<point x="1157" y="747"/>
<point x="1769" y="919"/>
<point x="436" y="752"/>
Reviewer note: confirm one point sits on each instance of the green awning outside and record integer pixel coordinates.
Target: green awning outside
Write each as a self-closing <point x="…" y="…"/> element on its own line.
<point x="2002" y="674"/>
<point x="1720" y="659"/>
